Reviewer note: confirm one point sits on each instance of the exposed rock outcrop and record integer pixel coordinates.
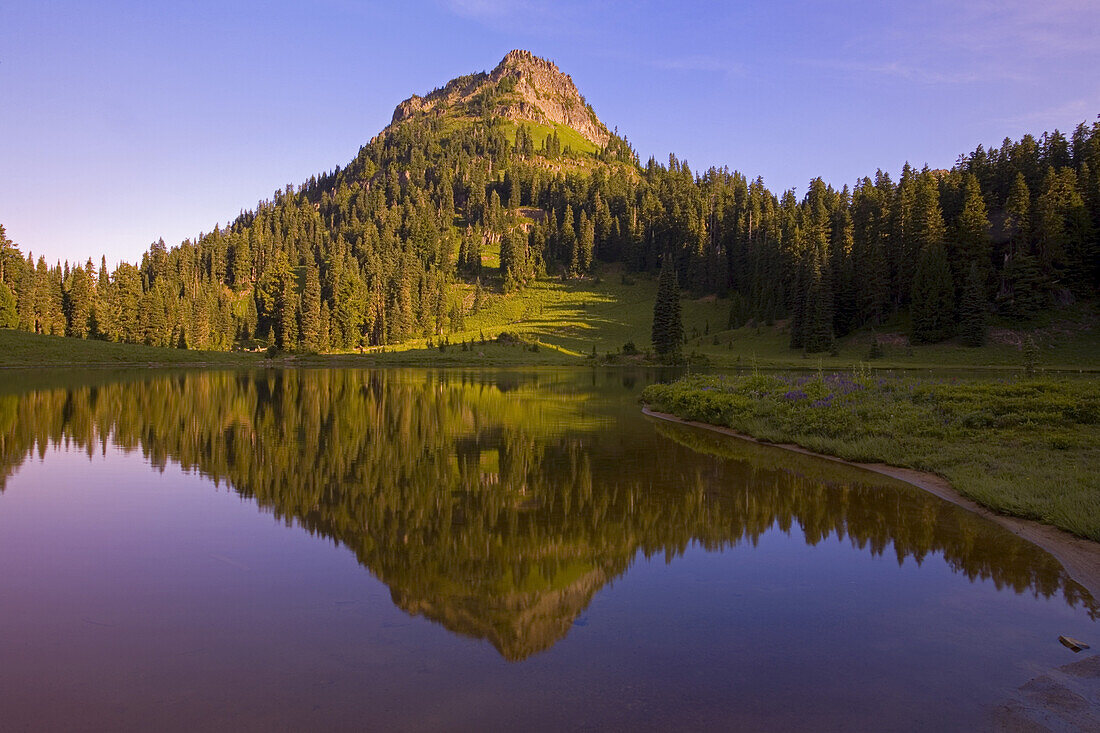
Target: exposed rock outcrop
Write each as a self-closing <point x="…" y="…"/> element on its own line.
<point x="522" y="87"/>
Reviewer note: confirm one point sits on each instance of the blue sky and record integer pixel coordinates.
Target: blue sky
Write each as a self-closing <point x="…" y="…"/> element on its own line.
<point x="122" y="122"/>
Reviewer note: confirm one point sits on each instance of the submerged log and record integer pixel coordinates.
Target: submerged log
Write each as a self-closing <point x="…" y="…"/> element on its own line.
<point x="1071" y="643"/>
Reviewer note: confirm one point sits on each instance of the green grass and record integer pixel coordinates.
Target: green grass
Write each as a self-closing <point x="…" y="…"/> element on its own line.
<point x="23" y="349"/>
<point x="1024" y="447"/>
<point x="567" y="135"/>
<point x="568" y="318"/>
<point x="565" y="318"/>
<point x="1068" y="340"/>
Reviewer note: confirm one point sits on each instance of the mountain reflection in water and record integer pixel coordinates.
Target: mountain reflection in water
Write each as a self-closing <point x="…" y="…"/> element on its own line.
<point x="499" y="504"/>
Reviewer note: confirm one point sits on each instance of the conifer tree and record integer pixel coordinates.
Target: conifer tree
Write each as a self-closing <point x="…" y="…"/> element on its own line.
<point x="799" y="290"/>
<point x="310" y="326"/>
<point x="586" y="238"/>
<point x="819" y="308"/>
<point x="1024" y="293"/>
<point x="11" y="262"/>
<point x="324" y="343"/>
<point x="479" y="295"/>
<point x="567" y="236"/>
<point x="155" y="325"/>
<point x="738" y="308"/>
<point x="279" y="300"/>
<point x="933" y="297"/>
<point x="126" y="297"/>
<point x="241" y="264"/>
<point x="971" y="241"/>
<point x="668" y="330"/>
<point x="9" y="316"/>
<point x="972" y="309"/>
<point x="1018" y="214"/>
<point x="80" y="300"/>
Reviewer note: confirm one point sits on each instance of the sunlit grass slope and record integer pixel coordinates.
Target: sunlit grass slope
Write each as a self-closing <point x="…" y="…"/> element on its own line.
<point x="571" y="319"/>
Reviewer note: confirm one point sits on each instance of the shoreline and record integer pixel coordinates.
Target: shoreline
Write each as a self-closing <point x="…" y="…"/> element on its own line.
<point x="1079" y="557"/>
<point x="394" y="359"/>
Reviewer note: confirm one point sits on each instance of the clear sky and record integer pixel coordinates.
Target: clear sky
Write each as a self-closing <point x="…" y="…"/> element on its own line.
<point x="121" y="122"/>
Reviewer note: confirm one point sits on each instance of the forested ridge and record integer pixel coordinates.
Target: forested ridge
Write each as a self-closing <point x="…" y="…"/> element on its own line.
<point x="369" y="254"/>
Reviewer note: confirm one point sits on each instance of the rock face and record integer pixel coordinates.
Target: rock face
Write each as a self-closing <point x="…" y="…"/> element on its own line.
<point x="522" y="87"/>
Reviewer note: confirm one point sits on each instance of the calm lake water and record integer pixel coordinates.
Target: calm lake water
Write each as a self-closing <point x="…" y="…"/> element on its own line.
<point x="416" y="550"/>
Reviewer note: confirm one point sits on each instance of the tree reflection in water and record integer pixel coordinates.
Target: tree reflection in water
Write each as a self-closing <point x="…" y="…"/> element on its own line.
<point x="498" y="504"/>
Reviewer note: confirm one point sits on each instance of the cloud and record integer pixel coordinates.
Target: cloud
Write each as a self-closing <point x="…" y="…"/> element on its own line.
<point x="916" y="72"/>
<point x="1064" y="115"/>
<point x="978" y="41"/>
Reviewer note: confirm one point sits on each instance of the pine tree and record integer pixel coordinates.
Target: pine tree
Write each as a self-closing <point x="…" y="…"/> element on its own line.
<point x="971" y="241"/>
<point x="9" y="316"/>
<point x="819" y="308"/>
<point x="933" y="297"/>
<point x="972" y="309"/>
<point x="567" y="237"/>
<point x="1018" y="215"/>
<point x="324" y="343"/>
<point x="738" y="311"/>
<point x="80" y="300"/>
<point x="279" y="300"/>
<point x="479" y="296"/>
<point x="1024" y="293"/>
<point x="126" y="299"/>
<point x="154" y="319"/>
<point x="799" y="291"/>
<point x="241" y="267"/>
<point x="509" y="263"/>
<point x="668" y="330"/>
<point x="586" y="238"/>
<point x="104" y="304"/>
<point x="310" y="326"/>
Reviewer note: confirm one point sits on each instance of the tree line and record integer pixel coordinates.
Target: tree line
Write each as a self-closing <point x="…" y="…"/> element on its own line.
<point x="369" y="254"/>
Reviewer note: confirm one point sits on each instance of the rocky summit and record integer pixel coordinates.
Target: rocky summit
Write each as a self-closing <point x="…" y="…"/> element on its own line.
<point x="522" y="87"/>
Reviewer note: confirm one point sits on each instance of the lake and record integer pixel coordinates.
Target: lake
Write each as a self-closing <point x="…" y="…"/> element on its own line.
<point x="524" y="549"/>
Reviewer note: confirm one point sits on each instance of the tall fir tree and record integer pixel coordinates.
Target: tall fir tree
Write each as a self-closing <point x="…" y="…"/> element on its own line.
<point x="668" y="330"/>
<point x="310" y="325"/>
<point x="970" y="241"/>
<point x="80" y="302"/>
<point x="933" y="297"/>
<point x="586" y="242"/>
<point x="972" y="308"/>
<point x="9" y="316"/>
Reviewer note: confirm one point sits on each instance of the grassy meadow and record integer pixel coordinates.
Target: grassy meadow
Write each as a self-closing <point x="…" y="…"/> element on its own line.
<point x="571" y="319"/>
<point x="563" y="322"/>
<point x="24" y="349"/>
<point x="1027" y="447"/>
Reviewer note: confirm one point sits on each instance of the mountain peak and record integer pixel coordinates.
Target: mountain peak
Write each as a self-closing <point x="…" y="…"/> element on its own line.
<point x="522" y="87"/>
<point x="521" y="59"/>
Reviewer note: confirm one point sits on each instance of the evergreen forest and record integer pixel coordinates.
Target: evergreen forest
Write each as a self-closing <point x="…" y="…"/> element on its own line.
<point x="371" y="253"/>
